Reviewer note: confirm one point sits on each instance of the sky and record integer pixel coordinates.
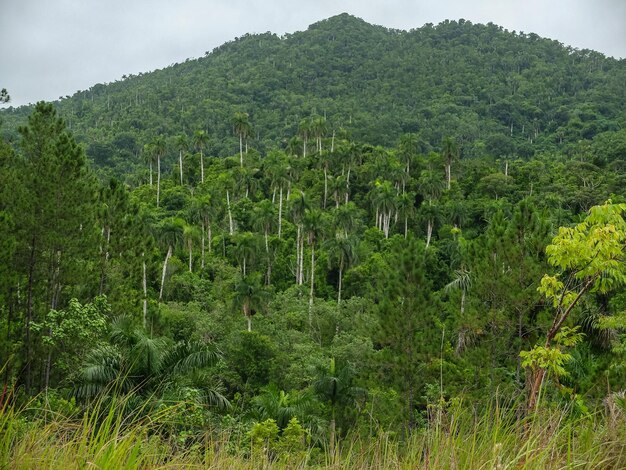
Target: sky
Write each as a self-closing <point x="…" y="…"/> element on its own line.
<point x="53" y="48"/>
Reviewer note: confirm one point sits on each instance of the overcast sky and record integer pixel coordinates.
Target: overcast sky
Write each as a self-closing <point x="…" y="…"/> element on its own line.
<point x="53" y="48"/>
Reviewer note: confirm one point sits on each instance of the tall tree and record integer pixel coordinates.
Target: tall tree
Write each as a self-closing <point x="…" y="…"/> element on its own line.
<point x="200" y="141"/>
<point x="54" y="223"/>
<point x="182" y="144"/>
<point x="242" y="127"/>
<point x="170" y="235"/>
<point x="449" y="152"/>
<point x="250" y="297"/>
<point x="159" y="145"/>
<point x="342" y="252"/>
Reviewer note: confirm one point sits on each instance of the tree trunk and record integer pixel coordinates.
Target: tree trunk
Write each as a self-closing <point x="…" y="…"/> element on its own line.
<point x="429" y="232"/>
<point x="448" y="175"/>
<point x="462" y="302"/>
<point x="167" y="258"/>
<point x="230" y="215"/>
<point x="150" y="172"/>
<point x="539" y="374"/>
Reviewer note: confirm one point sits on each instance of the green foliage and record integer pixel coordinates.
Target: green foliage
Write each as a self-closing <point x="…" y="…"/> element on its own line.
<point x="389" y="248"/>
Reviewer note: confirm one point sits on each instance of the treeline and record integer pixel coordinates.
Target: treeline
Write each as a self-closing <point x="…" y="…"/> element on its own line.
<point x="500" y="93"/>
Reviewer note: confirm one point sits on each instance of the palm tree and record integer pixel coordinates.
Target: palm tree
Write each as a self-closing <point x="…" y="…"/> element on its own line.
<point x="263" y="218"/>
<point x="250" y="297"/>
<point x="299" y="206"/>
<point x="346" y="218"/>
<point x="182" y="144"/>
<point x="318" y="129"/>
<point x="245" y="250"/>
<point x="406" y="209"/>
<point x="241" y="125"/>
<point x="137" y="363"/>
<point x="407" y="149"/>
<point x="430" y="186"/>
<point x="341" y="253"/>
<point x="276" y="166"/>
<point x="339" y="189"/>
<point x="304" y="130"/>
<point x="334" y="385"/>
<point x="226" y="181"/>
<point x="384" y="200"/>
<point x="200" y="140"/>
<point x="169" y="234"/>
<point x="149" y="156"/>
<point x="430" y="214"/>
<point x="160" y="146"/>
<point x="190" y="235"/>
<point x="203" y="211"/>
<point x="449" y="152"/>
<point x="462" y="281"/>
<point x="276" y="404"/>
<point x="246" y="179"/>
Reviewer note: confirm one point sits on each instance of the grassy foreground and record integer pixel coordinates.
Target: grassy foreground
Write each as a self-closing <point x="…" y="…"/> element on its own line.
<point x="107" y="437"/>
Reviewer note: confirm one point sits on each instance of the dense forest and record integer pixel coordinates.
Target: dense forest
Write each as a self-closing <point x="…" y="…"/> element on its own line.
<point x="345" y="243"/>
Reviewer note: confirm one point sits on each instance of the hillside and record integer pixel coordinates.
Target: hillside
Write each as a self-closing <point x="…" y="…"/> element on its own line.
<point x="497" y="92"/>
<point x="410" y="252"/>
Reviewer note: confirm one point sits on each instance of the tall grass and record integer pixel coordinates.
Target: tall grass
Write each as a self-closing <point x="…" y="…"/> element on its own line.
<point x="109" y="436"/>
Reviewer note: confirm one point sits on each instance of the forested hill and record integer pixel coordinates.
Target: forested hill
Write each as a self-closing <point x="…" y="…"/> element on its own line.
<point x="497" y="92"/>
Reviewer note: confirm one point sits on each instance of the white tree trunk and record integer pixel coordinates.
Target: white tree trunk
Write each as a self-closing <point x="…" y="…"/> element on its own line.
<point x="429" y="232"/>
<point x="167" y="258"/>
<point x="230" y="215"/>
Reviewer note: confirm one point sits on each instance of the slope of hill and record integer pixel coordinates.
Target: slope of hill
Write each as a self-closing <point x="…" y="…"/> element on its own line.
<point x="497" y="92"/>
